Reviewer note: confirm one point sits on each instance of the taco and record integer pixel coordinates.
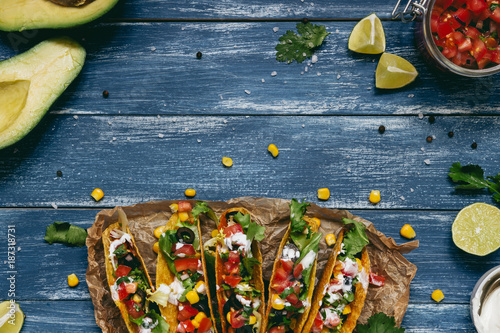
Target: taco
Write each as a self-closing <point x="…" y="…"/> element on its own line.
<point x="238" y="268"/>
<point x="341" y="292"/>
<point x="181" y="278"/>
<point x="129" y="280"/>
<point x="292" y="282"/>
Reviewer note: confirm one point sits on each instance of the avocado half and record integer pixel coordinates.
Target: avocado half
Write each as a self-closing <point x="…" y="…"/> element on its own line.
<point x="31" y="82"/>
<point x="18" y="15"/>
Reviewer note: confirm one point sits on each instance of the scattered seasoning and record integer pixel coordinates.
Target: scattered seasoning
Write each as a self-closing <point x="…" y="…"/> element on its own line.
<point x="429" y="139"/>
<point x="381" y="129"/>
<point x="474" y="145"/>
<point x="59" y="173"/>
<point x="199" y="55"/>
<point x="450" y="134"/>
<point x="274" y="73"/>
<point x="75" y="116"/>
<point x="432" y="119"/>
<point x="420" y="116"/>
<point x="248" y="92"/>
<point x="105" y="94"/>
<point x="276" y="29"/>
<point x="427" y="161"/>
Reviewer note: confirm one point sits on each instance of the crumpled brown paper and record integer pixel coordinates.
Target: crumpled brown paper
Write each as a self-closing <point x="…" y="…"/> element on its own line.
<point x="385" y="255"/>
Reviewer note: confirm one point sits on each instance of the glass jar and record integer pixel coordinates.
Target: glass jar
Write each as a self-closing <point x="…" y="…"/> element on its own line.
<point x="420" y="11"/>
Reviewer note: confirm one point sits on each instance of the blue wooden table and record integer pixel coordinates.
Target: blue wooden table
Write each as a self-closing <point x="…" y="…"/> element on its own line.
<point x="170" y="118"/>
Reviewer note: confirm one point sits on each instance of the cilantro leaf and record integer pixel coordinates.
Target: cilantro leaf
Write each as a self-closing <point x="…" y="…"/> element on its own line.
<point x="300" y="46"/>
<point x="471" y="177"/>
<point x="68" y="234"/>
<point x="380" y="323"/>
<point x="355" y="239"/>
<point x="297" y="211"/>
<point x="252" y="229"/>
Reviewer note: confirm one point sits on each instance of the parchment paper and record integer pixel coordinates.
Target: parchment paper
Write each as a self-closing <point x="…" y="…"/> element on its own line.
<point x="385" y="255"/>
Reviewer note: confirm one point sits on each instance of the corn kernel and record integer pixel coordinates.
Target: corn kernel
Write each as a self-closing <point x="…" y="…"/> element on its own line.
<point x="192" y="297"/>
<point x="174" y="208"/>
<point x="195" y="323"/>
<point x="252" y="320"/>
<point x="229" y="317"/>
<point x="156" y="247"/>
<point x="330" y="239"/>
<point x="190" y="192"/>
<point x="277" y="302"/>
<point x="359" y="263"/>
<point x="227" y="161"/>
<point x="183" y="216"/>
<point x="200" y="316"/>
<point x="137" y="298"/>
<point x="323" y="194"/>
<point x="317" y="221"/>
<point x="273" y="150"/>
<point x="347" y="309"/>
<point x="72" y="280"/>
<point x="158" y="231"/>
<point x="97" y="194"/>
<point x="374" y="197"/>
<point x="407" y="231"/>
<point x="214" y="233"/>
<point x="437" y="295"/>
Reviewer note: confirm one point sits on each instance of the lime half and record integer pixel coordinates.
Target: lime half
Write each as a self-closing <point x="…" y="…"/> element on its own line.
<point x="394" y="72"/>
<point x="367" y="36"/>
<point x="476" y="229"/>
<point x="11" y="317"/>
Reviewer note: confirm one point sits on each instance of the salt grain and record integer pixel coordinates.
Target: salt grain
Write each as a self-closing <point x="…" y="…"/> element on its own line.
<point x="422" y="149"/>
<point x="54" y="205"/>
<point x="225" y="121"/>
<point x="420" y="116"/>
<point x="411" y="95"/>
<point x="276" y="29"/>
<point x="152" y="48"/>
<point x="402" y="198"/>
<point x="427" y="161"/>
<point x="75" y="116"/>
<point x="161" y="136"/>
<point x="338" y="76"/>
<point x="262" y="80"/>
<point x="110" y="123"/>
<point x="274" y="73"/>
<point x="114" y="138"/>
<point x="314" y="59"/>
<point x="198" y="140"/>
<point x="128" y="138"/>
<point x="412" y="190"/>
<point x="158" y="116"/>
<point x="318" y="74"/>
<point x="305" y="69"/>
<point x="349" y="170"/>
<point x="248" y="92"/>
<point x="303" y="125"/>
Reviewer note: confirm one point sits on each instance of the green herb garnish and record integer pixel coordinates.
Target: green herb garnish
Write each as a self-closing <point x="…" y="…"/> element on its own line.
<point x="380" y="323"/>
<point x="354" y="241"/>
<point x="65" y="233"/>
<point x="471" y="177"/>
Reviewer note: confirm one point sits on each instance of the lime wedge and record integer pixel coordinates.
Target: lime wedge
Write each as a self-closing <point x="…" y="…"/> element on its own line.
<point x="394" y="72"/>
<point x="476" y="229"/>
<point x="367" y="36"/>
<point x="11" y="317"/>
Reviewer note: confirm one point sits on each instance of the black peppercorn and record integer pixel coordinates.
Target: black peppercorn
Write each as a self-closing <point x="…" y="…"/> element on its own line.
<point x="474" y="145"/>
<point x="199" y="55"/>
<point x="432" y="119"/>
<point x="59" y="173"/>
<point x="105" y="94"/>
<point x="429" y="139"/>
<point x="381" y="129"/>
<point x="305" y="20"/>
<point x="450" y="134"/>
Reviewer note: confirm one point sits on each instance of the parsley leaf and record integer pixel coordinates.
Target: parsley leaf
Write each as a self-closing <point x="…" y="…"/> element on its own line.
<point x="63" y="232"/>
<point x="252" y="229"/>
<point x="471" y="177"/>
<point x="355" y="239"/>
<point x="300" y="46"/>
<point x="380" y="323"/>
<point x="297" y="211"/>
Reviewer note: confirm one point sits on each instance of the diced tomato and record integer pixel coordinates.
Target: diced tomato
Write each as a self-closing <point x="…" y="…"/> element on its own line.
<point x="134" y="309"/>
<point x="478" y="49"/>
<point x="297" y="271"/>
<point x="465" y="45"/>
<point x="450" y="51"/>
<point x="434" y="21"/>
<point x="234" y="229"/>
<point x="444" y="29"/>
<point x="457" y="37"/>
<point x="376" y="279"/>
<point x="485" y="60"/>
<point x="463" y="16"/>
<point x="184" y="206"/>
<point x="477" y="5"/>
<point x="186" y="249"/>
<point x="232" y="280"/>
<point x="458" y="3"/>
<point x="180" y="328"/>
<point x="231" y="268"/>
<point x="495" y="55"/>
<point x="183" y="264"/>
<point x="122" y="291"/>
<point x="472" y="32"/>
<point x="287" y="265"/>
<point x="281" y="275"/>
<point x="234" y="257"/>
<point x="279" y="287"/>
<point x="448" y="18"/>
<point x="122" y="270"/>
<point x="277" y="329"/>
<point x="205" y="325"/>
<point x="292" y="298"/>
<point x="186" y="327"/>
<point x="333" y="320"/>
<point x="237" y="319"/>
<point x="495" y="15"/>
<point x="318" y="324"/>
<point x="296" y="289"/>
<point x="186" y="312"/>
<point x="131" y="288"/>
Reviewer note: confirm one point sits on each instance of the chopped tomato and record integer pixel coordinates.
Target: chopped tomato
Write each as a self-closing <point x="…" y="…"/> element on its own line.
<point x="318" y="324"/>
<point x="477" y="5"/>
<point x="232" y="280"/>
<point x="495" y="15"/>
<point x="234" y="257"/>
<point x="463" y="16"/>
<point x="376" y="280"/>
<point x="277" y="329"/>
<point x="186" y="327"/>
<point x="478" y="49"/>
<point x="333" y="320"/>
<point x="292" y="298"/>
<point x="122" y="291"/>
<point x="287" y="265"/>
<point x="485" y="60"/>
<point x="205" y="325"/>
<point x="472" y="32"/>
<point x="279" y="287"/>
<point x="450" y="51"/>
<point x="186" y="249"/>
<point x="434" y="21"/>
<point x="237" y="319"/>
<point x="444" y="29"/>
<point x="234" y="229"/>
<point x="184" y="206"/>
<point x="186" y="312"/>
<point x="231" y="268"/>
<point x="465" y="45"/>
<point x="495" y="55"/>
<point x="131" y="288"/>
<point x="491" y="43"/>
<point x="134" y="309"/>
<point x="183" y="264"/>
<point x="281" y="275"/>
<point x="297" y="271"/>
<point x="122" y="270"/>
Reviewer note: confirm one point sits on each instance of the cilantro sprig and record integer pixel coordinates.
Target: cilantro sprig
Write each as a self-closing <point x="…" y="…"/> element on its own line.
<point x="355" y="239"/>
<point x="471" y="177"/>
<point x="380" y="323"/>
<point x="300" y="46"/>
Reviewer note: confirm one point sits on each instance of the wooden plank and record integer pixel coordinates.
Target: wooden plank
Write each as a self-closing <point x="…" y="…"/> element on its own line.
<point x="151" y="68"/>
<point x="136" y="159"/>
<point x="42" y="268"/>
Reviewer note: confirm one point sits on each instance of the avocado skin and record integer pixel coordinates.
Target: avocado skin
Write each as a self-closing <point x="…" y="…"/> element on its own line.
<point x="19" y="15"/>
<point x="50" y="66"/>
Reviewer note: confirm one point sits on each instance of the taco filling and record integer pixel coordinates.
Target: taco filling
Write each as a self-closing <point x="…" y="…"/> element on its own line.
<point x="293" y="278"/>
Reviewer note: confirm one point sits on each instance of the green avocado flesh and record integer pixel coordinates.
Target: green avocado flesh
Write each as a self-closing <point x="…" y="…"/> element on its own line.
<point x="32" y="81"/>
<point x="18" y="15"/>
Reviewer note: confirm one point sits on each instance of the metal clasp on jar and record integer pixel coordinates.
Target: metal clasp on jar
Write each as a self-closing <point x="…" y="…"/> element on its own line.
<point x="412" y="10"/>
